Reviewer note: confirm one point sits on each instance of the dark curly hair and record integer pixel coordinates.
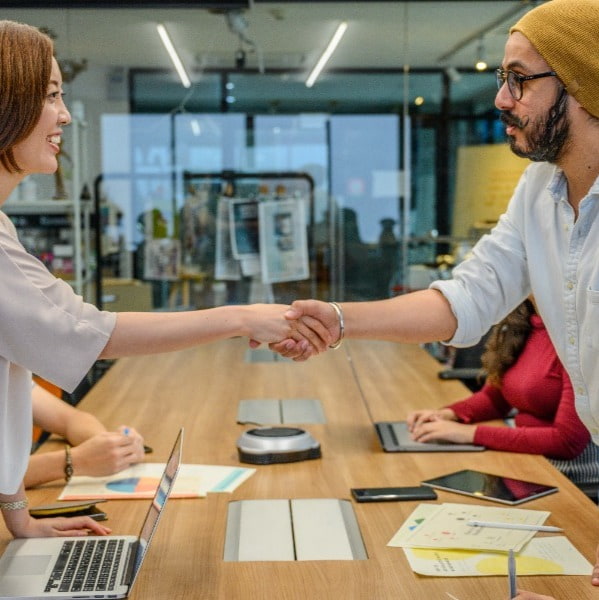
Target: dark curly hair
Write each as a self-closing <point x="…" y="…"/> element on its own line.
<point x="506" y="341"/>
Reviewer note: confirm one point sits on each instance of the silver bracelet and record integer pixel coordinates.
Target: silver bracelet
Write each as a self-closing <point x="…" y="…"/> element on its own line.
<point x="15" y="505"/>
<point x="341" y="325"/>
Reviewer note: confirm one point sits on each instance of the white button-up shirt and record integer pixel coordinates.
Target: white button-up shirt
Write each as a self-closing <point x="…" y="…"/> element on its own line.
<point x="538" y="246"/>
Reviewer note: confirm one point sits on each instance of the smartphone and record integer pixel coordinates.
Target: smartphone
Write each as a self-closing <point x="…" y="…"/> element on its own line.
<point x="393" y="494"/>
<point x="69" y="509"/>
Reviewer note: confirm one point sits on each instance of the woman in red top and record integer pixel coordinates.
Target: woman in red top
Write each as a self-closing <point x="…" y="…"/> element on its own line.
<point x="525" y="377"/>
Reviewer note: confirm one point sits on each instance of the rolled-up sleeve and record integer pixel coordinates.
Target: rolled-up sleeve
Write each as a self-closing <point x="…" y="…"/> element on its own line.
<point x="493" y="280"/>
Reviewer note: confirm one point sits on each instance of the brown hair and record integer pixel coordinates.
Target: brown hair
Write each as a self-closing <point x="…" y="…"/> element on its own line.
<point x="25" y="68"/>
<point x="506" y="341"/>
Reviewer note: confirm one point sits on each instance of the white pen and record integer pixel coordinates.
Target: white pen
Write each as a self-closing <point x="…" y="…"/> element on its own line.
<point x="523" y="526"/>
<point x="511" y="571"/>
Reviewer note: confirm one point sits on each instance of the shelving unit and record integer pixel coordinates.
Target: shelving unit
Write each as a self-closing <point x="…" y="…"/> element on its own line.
<point x="59" y="231"/>
<point x="47" y="228"/>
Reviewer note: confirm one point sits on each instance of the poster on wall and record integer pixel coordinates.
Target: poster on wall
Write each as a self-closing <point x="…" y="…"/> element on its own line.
<point x="245" y="244"/>
<point x="226" y="266"/>
<point x="283" y="240"/>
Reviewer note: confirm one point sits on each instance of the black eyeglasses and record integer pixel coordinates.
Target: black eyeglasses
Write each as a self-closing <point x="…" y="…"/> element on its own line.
<point x="515" y="80"/>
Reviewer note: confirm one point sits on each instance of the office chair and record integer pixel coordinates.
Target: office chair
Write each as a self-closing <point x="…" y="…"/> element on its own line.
<point x="467" y="366"/>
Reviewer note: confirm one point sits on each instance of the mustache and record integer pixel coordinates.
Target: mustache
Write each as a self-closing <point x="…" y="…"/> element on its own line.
<point x="509" y="119"/>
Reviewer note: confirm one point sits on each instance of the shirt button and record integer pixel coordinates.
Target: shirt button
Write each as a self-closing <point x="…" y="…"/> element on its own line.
<point x="579" y="391"/>
<point x="571" y="340"/>
<point x="569" y="285"/>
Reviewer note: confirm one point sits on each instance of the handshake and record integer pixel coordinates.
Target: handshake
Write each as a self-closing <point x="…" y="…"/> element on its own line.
<point x="307" y="327"/>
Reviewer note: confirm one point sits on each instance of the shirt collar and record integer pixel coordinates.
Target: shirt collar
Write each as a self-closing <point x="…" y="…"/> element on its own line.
<point x="557" y="184"/>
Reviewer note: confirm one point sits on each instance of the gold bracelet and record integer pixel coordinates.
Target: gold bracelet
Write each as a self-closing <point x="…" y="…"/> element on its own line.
<point x="341" y="325"/>
<point x="68" y="463"/>
<point x="15" y="505"/>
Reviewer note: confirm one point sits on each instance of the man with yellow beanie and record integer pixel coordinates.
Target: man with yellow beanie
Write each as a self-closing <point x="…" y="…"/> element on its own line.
<point x="547" y="242"/>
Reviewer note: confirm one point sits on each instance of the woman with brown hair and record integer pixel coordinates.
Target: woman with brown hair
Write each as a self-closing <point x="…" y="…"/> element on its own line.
<point x="523" y="376"/>
<point x="45" y="327"/>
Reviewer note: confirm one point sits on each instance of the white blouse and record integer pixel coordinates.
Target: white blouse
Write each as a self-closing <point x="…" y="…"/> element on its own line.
<point x="45" y="328"/>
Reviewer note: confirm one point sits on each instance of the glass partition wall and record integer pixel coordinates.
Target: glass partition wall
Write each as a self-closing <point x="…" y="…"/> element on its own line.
<point x="366" y="164"/>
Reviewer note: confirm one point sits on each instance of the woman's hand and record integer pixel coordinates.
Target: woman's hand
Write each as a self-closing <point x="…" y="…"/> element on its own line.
<point x="444" y="431"/>
<point x="25" y="526"/>
<point x="312" y="320"/>
<point x="108" y="452"/>
<point x="268" y="323"/>
<point x="418" y="417"/>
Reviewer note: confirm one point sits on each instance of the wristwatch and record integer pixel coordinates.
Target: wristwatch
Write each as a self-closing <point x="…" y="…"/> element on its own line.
<point x="68" y="464"/>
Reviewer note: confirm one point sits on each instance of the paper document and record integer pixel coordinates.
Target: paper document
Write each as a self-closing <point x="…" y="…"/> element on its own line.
<point x="446" y="526"/>
<point x="140" y="481"/>
<point x="541" y="556"/>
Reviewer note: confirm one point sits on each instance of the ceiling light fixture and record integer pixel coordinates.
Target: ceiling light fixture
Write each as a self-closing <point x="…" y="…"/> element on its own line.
<point x="322" y="61"/>
<point x="195" y="127"/>
<point x="166" y="40"/>
<point x="481" y="63"/>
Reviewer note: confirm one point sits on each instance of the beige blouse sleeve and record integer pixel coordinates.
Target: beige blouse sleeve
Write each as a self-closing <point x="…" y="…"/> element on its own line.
<point x="44" y="326"/>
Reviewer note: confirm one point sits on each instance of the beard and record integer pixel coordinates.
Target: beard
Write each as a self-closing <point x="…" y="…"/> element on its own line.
<point x="548" y="135"/>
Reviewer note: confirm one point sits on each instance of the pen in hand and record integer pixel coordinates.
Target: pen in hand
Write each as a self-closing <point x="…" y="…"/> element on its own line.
<point x="147" y="449"/>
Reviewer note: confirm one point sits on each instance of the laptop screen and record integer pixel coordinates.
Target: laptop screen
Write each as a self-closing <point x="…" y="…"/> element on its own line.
<point x="163" y="490"/>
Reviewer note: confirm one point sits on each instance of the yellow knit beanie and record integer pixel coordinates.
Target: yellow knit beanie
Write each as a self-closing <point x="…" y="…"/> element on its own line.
<point x="566" y="34"/>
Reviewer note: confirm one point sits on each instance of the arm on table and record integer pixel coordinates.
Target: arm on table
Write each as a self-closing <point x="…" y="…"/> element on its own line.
<point x="95" y="451"/>
<point x="22" y="525"/>
<point x="147" y="333"/>
<point x="418" y="317"/>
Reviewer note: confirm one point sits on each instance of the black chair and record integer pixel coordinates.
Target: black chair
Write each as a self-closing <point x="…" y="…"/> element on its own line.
<point x="467" y="366"/>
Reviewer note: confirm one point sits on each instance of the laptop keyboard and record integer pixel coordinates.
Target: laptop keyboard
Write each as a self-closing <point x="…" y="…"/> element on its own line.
<point x="86" y="566"/>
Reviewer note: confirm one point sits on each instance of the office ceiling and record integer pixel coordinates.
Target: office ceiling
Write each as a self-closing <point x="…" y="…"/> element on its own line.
<point x="289" y="34"/>
<point x="278" y="36"/>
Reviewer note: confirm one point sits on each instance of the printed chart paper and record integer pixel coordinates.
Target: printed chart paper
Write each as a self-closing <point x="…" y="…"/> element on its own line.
<point x="140" y="481"/>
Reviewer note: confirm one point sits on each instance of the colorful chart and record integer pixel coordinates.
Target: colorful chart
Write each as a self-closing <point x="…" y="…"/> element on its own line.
<point x="133" y="485"/>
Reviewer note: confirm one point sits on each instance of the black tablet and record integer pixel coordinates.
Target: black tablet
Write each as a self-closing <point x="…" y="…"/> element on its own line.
<point x="490" y="487"/>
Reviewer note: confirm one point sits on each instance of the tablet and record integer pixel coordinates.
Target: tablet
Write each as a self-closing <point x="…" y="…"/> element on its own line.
<point x="490" y="487"/>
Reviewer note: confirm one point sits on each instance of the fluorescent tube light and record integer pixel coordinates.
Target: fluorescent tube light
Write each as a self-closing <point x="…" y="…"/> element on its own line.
<point x="195" y="127"/>
<point x="322" y="61"/>
<point x="166" y="40"/>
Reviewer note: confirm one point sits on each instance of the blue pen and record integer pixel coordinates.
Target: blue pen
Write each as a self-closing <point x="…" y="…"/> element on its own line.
<point x="126" y="431"/>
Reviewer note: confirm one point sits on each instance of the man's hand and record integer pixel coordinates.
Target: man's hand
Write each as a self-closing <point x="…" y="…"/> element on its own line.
<point x="287" y="335"/>
<point x="595" y="575"/>
<point x="315" y="321"/>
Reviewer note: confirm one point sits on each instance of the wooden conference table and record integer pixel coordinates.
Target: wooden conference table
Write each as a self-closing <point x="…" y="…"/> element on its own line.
<point x="363" y="381"/>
